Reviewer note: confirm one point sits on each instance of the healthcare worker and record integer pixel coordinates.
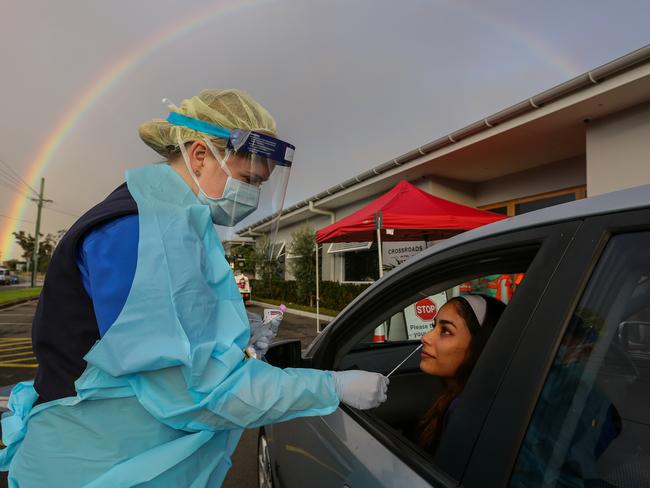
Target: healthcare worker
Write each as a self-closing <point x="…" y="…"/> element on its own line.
<point x="140" y="328"/>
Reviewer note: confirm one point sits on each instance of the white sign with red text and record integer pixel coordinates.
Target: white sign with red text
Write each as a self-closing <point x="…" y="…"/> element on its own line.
<point x="419" y="316"/>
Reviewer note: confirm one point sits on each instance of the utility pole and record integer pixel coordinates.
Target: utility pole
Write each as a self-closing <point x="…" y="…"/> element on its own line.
<point x="40" y="200"/>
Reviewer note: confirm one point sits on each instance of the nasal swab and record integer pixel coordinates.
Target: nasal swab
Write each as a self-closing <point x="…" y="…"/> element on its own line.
<point x="404" y="360"/>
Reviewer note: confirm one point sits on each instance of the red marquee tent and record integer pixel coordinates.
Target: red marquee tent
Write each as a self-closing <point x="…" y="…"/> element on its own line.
<point x="406" y="213"/>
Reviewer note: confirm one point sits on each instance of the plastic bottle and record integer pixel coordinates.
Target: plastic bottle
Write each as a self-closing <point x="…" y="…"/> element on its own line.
<point x="272" y="320"/>
<point x="273" y="317"/>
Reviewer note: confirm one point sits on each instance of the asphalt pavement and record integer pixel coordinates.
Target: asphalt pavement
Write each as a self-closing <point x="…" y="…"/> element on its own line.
<point x="17" y="363"/>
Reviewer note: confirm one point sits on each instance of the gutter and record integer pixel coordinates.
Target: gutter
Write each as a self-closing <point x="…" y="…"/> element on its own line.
<point x="332" y="219"/>
<point x="322" y="212"/>
<point x="580" y="82"/>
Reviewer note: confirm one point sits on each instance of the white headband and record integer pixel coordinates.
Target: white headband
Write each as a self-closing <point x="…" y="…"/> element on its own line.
<point x="479" y="306"/>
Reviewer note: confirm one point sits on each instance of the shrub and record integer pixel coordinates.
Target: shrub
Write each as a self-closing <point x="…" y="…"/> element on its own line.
<point x="303" y="264"/>
<point x="333" y="295"/>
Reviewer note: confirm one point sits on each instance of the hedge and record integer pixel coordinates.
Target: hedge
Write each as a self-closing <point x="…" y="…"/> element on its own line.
<point x="333" y="295"/>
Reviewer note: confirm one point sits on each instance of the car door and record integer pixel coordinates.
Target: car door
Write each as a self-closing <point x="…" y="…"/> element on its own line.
<point x="572" y="407"/>
<point x="354" y="448"/>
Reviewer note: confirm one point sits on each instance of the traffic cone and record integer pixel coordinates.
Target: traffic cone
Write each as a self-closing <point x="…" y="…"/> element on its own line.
<point x="380" y="333"/>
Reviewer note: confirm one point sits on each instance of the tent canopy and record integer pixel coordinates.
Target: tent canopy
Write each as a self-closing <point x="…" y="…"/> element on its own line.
<point x="406" y="213"/>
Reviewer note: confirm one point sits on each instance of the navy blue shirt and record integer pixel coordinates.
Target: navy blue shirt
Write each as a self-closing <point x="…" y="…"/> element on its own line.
<point x="107" y="260"/>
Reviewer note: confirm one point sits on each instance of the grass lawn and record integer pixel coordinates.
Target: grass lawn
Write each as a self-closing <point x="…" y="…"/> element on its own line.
<point x="296" y="306"/>
<point x="18" y="293"/>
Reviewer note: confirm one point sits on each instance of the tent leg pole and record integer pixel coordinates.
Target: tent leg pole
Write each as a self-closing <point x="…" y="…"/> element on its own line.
<point x="380" y="331"/>
<point x="381" y="260"/>
<point x="317" y="293"/>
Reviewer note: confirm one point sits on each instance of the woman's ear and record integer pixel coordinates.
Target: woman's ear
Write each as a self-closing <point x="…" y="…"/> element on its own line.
<point x="197" y="153"/>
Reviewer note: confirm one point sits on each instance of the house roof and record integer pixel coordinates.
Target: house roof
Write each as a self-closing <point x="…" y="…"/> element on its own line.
<point x="515" y="135"/>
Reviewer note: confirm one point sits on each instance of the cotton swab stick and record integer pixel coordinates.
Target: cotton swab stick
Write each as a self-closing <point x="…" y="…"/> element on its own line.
<point x="404" y="360"/>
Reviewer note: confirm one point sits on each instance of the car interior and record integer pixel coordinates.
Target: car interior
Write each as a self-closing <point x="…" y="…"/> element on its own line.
<point x="412" y="392"/>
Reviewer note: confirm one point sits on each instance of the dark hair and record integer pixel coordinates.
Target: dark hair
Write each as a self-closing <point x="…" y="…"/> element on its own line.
<point x="431" y="425"/>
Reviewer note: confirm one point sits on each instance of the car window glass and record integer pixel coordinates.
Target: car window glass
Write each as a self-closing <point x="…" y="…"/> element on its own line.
<point x="591" y="426"/>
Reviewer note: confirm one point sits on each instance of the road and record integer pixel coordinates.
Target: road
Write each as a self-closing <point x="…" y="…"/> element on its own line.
<point x="17" y="363"/>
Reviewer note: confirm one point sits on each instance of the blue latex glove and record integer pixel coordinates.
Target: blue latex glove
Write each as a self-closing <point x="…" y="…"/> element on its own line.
<point x="360" y="389"/>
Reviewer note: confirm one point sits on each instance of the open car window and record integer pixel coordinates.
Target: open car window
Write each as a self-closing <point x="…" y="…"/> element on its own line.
<point x="417" y="318"/>
<point x="402" y="322"/>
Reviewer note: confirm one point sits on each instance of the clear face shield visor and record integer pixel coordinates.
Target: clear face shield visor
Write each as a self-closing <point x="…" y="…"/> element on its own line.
<point x="258" y="168"/>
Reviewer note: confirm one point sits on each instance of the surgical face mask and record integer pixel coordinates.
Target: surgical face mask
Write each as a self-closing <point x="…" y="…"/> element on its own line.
<point x="239" y="199"/>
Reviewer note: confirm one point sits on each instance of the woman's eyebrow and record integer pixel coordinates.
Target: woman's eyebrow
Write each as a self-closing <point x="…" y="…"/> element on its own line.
<point x="446" y="322"/>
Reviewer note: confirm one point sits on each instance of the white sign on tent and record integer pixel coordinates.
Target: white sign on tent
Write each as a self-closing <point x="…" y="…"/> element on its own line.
<point x="395" y="253"/>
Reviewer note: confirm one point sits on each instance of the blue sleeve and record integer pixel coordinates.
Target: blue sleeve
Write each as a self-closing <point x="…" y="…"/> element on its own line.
<point x="107" y="260"/>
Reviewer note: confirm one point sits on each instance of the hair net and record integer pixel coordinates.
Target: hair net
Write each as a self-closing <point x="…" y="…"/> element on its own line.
<point x="232" y="109"/>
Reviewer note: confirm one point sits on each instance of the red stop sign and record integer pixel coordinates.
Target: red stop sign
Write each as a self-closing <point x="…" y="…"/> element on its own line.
<point x="425" y="309"/>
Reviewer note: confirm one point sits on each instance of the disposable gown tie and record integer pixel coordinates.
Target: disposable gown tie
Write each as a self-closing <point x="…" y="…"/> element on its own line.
<point x="170" y="385"/>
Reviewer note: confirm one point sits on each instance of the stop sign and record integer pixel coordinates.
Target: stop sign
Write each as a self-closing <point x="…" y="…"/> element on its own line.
<point x="425" y="309"/>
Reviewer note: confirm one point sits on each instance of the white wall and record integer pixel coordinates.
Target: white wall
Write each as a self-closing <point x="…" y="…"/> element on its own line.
<point x="550" y="177"/>
<point x="456" y="191"/>
<point x="618" y="151"/>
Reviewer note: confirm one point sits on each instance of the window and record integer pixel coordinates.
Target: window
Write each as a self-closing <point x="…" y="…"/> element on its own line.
<point x="417" y="318"/>
<point x="361" y="265"/>
<point x="591" y="425"/>
<point x="525" y="207"/>
<point x="503" y="210"/>
<point x="528" y="204"/>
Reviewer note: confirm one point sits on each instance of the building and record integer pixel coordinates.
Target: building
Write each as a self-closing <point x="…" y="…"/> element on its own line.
<point x="587" y="136"/>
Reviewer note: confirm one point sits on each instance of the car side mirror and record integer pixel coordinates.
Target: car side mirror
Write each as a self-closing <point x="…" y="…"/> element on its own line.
<point x="634" y="334"/>
<point x="285" y="354"/>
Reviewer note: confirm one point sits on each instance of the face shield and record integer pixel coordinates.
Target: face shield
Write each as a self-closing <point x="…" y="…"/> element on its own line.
<point x="257" y="166"/>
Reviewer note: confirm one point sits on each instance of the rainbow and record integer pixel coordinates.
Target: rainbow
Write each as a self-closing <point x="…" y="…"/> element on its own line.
<point x="123" y="65"/>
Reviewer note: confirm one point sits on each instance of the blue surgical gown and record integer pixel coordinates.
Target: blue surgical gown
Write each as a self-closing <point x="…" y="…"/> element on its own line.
<point x="167" y="389"/>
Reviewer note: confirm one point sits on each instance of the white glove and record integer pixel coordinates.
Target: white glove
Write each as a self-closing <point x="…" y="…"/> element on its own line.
<point x="360" y="389"/>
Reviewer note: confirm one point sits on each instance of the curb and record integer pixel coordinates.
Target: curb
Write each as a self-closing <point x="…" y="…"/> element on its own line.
<point x="17" y="302"/>
<point x="301" y="313"/>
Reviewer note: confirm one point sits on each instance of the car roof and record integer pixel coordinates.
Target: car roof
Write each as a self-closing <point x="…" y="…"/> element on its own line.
<point x="618" y="201"/>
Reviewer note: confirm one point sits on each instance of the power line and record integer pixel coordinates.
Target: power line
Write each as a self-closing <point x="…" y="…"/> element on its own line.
<point x="17" y="190"/>
<point x="15" y="182"/>
<point x="13" y="218"/>
<point x="12" y="177"/>
<point x="49" y="207"/>
<point x="9" y="177"/>
<point x="17" y="176"/>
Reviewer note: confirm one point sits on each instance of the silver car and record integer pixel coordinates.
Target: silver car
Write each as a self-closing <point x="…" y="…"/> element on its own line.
<point x="560" y="395"/>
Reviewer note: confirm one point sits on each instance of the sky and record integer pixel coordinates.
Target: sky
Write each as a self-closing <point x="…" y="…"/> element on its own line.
<point x="351" y="83"/>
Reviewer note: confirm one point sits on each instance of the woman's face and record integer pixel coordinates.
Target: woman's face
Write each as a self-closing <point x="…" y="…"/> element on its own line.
<point x="213" y="177"/>
<point x="446" y="346"/>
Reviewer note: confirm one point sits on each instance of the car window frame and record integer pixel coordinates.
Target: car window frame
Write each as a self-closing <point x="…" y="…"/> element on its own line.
<point x="444" y="268"/>
<point x="511" y="412"/>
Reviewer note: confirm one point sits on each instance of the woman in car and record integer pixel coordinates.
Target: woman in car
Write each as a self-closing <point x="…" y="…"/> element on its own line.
<point x="450" y="351"/>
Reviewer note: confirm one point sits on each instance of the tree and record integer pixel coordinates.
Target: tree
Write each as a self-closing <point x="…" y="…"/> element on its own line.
<point x="269" y="268"/>
<point x="46" y="247"/>
<point x="303" y="264"/>
<point x="26" y="242"/>
<point x="245" y="258"/>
